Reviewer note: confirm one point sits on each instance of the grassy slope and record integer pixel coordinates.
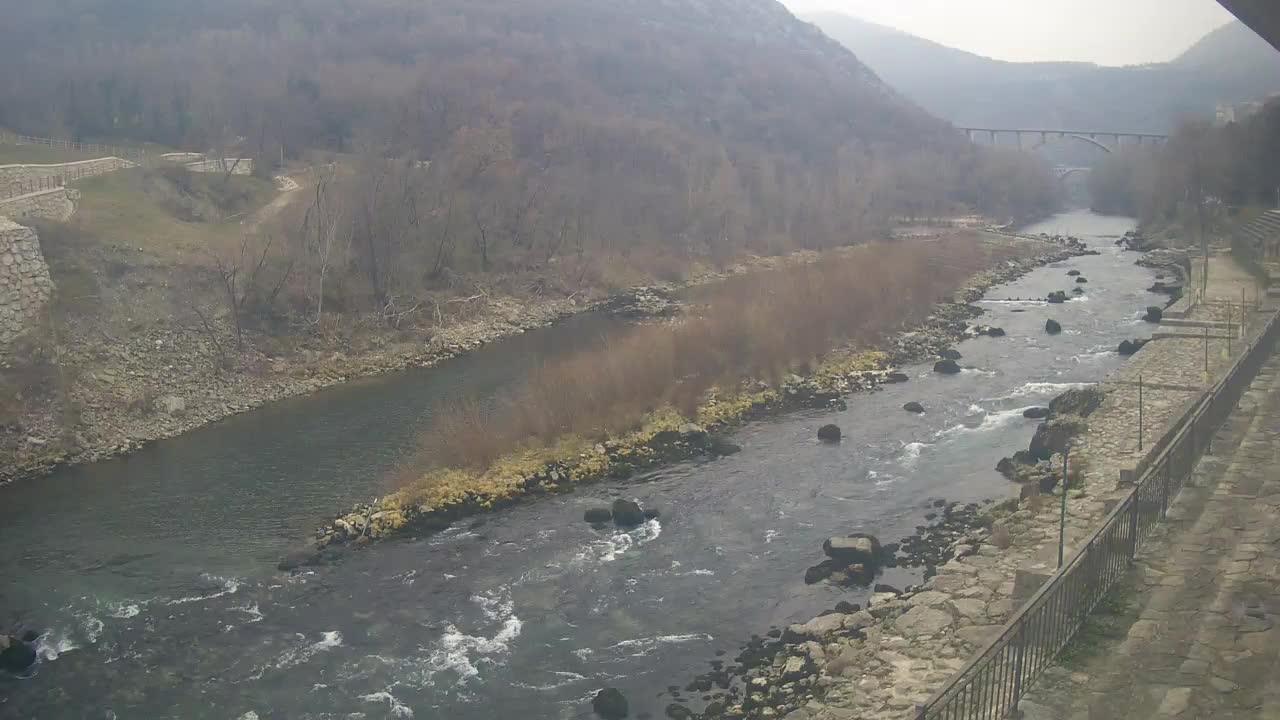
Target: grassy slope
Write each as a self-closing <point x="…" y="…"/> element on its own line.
<point x="122" y="254"/>
<point x="39" y="155"/>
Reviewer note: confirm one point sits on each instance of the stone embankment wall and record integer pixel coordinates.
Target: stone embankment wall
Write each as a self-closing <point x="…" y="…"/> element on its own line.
<point x="237" y="166"/>
<point x="53" y="204"/>
<point x="25" y="287"/>
<point x="19" y="175"/>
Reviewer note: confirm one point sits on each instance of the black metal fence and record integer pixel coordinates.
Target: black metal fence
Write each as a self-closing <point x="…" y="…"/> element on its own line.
<point x="990" y="685"/>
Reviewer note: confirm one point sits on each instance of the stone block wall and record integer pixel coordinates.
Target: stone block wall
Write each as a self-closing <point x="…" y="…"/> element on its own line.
<point x="238" y="166"/>
<point x="55" y="204"/>
<point x="25" y="286"/>
<point x="12" y="176"/>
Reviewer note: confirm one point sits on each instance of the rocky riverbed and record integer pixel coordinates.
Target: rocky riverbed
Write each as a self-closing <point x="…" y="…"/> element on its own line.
<point x="883" y="661"/>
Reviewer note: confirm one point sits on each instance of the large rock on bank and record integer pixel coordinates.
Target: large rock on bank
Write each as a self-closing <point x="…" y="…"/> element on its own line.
<point x="1054" y="436"/>
<point x="1077" y="401"/>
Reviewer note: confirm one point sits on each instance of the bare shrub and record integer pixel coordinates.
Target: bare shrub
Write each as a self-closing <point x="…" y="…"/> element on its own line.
<point x="757" y="326"/>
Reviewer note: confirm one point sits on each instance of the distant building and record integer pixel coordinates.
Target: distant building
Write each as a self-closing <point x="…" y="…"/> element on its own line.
<point x="1239" y="112"/>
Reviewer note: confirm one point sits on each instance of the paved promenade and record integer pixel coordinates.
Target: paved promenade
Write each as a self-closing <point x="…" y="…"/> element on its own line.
<point x="1195" y="636"/>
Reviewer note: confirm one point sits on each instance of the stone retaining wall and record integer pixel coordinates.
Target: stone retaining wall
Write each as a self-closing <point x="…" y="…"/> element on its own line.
<point x="25" y="286"/>
<point x="237" y="166"/>
<point x="11" y="175"/>
<point x="55" y="204"/>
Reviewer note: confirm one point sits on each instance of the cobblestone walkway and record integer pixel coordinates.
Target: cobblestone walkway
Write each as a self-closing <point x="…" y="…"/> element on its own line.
<point x="1203" y="640"/>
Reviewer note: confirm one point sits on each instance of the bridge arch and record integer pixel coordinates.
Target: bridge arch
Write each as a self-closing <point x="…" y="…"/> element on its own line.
<point x="1083" y="138"/>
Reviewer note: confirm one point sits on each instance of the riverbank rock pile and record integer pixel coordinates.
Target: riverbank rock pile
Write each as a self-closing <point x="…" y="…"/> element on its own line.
<point x="851" y="560"/>
<point x="949" y="534"/>
<point x="656" y="301"/>
<point x="1039" y="467"/>
<point x="1137" y="242"/>
<point x="1175" y="269"/>
<point x="849" y="655"/>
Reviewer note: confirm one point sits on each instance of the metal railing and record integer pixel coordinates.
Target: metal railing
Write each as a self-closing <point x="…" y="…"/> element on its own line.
<point x="134" y="154"/>
<point x="991" y="684"/>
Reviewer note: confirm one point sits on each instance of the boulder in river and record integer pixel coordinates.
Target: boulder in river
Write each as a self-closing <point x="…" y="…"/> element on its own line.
<point x="1073" y="273"/>
<point x="913" y="407"/>
<point x="676" y="711"/>
<point x="1077" y="291"/>
<point x="995" y="332"/>
<point x="819" y="572"/>
<point x="856" y="548"/>
<point x="598" y="515"/>
<point x="1082" y="280"/>
<point x="1057" y="297"/>
<point x="719" y="447"/>
<point x="15" y="655"/>
<point x="1036" y="413"/>
<point x="829" y="433"/>
<point x="950" y="354"/>
<point x="1154" y="314"/>
<point x="1053" y="327"/>
<point x="610" y="704"/>
<point x="627" y="513"/>
<point x="896" y="377"/>
<point x="305" y="557"/>
<point x="946" y="367"/>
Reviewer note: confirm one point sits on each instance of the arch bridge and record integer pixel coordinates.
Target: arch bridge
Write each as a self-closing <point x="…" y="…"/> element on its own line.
<point x="1039" y="138"/>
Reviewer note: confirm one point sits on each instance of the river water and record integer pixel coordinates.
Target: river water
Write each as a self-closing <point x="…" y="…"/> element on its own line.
<point x="154" y="574"/>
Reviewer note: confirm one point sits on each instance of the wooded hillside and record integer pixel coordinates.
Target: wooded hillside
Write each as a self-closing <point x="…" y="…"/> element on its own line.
<point x="520" y="131"/>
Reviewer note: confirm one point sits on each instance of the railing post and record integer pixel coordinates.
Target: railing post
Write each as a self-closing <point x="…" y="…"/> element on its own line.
<point x="1018" y="659"/>
<point x="1164" y="492"/>
<point x="1133" y="527"/>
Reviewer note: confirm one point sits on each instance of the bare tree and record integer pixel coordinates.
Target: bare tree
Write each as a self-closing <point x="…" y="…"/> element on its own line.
<point x="240" y="277"/>
<point x="326" y="234"/>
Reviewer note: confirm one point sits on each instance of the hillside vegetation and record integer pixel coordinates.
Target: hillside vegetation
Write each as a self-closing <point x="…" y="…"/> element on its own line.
<point x="522" y="131"/>
<point x="1237" y="165"/>
<point x="1230" y="64"/>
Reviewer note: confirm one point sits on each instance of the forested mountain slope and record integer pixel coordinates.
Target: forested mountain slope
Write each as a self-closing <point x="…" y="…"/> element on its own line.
<point x="705" y="125"/>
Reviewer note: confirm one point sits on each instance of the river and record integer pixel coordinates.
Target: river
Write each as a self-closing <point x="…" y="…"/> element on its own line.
<point x="155" y="576"/>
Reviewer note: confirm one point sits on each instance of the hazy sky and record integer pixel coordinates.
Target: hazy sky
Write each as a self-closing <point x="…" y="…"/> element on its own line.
<point x="1109" y="32"/>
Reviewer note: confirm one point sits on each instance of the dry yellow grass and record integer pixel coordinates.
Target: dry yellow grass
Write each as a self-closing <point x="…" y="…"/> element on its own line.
<point x="754" y="327"/>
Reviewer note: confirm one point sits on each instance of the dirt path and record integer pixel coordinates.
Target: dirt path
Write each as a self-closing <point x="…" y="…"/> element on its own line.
<point x="289" y="187"/>
<point x="1199" y="639"/>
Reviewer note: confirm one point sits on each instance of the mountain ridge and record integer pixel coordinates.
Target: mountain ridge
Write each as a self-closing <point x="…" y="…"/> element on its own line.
<point x="1227" y="65"/>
